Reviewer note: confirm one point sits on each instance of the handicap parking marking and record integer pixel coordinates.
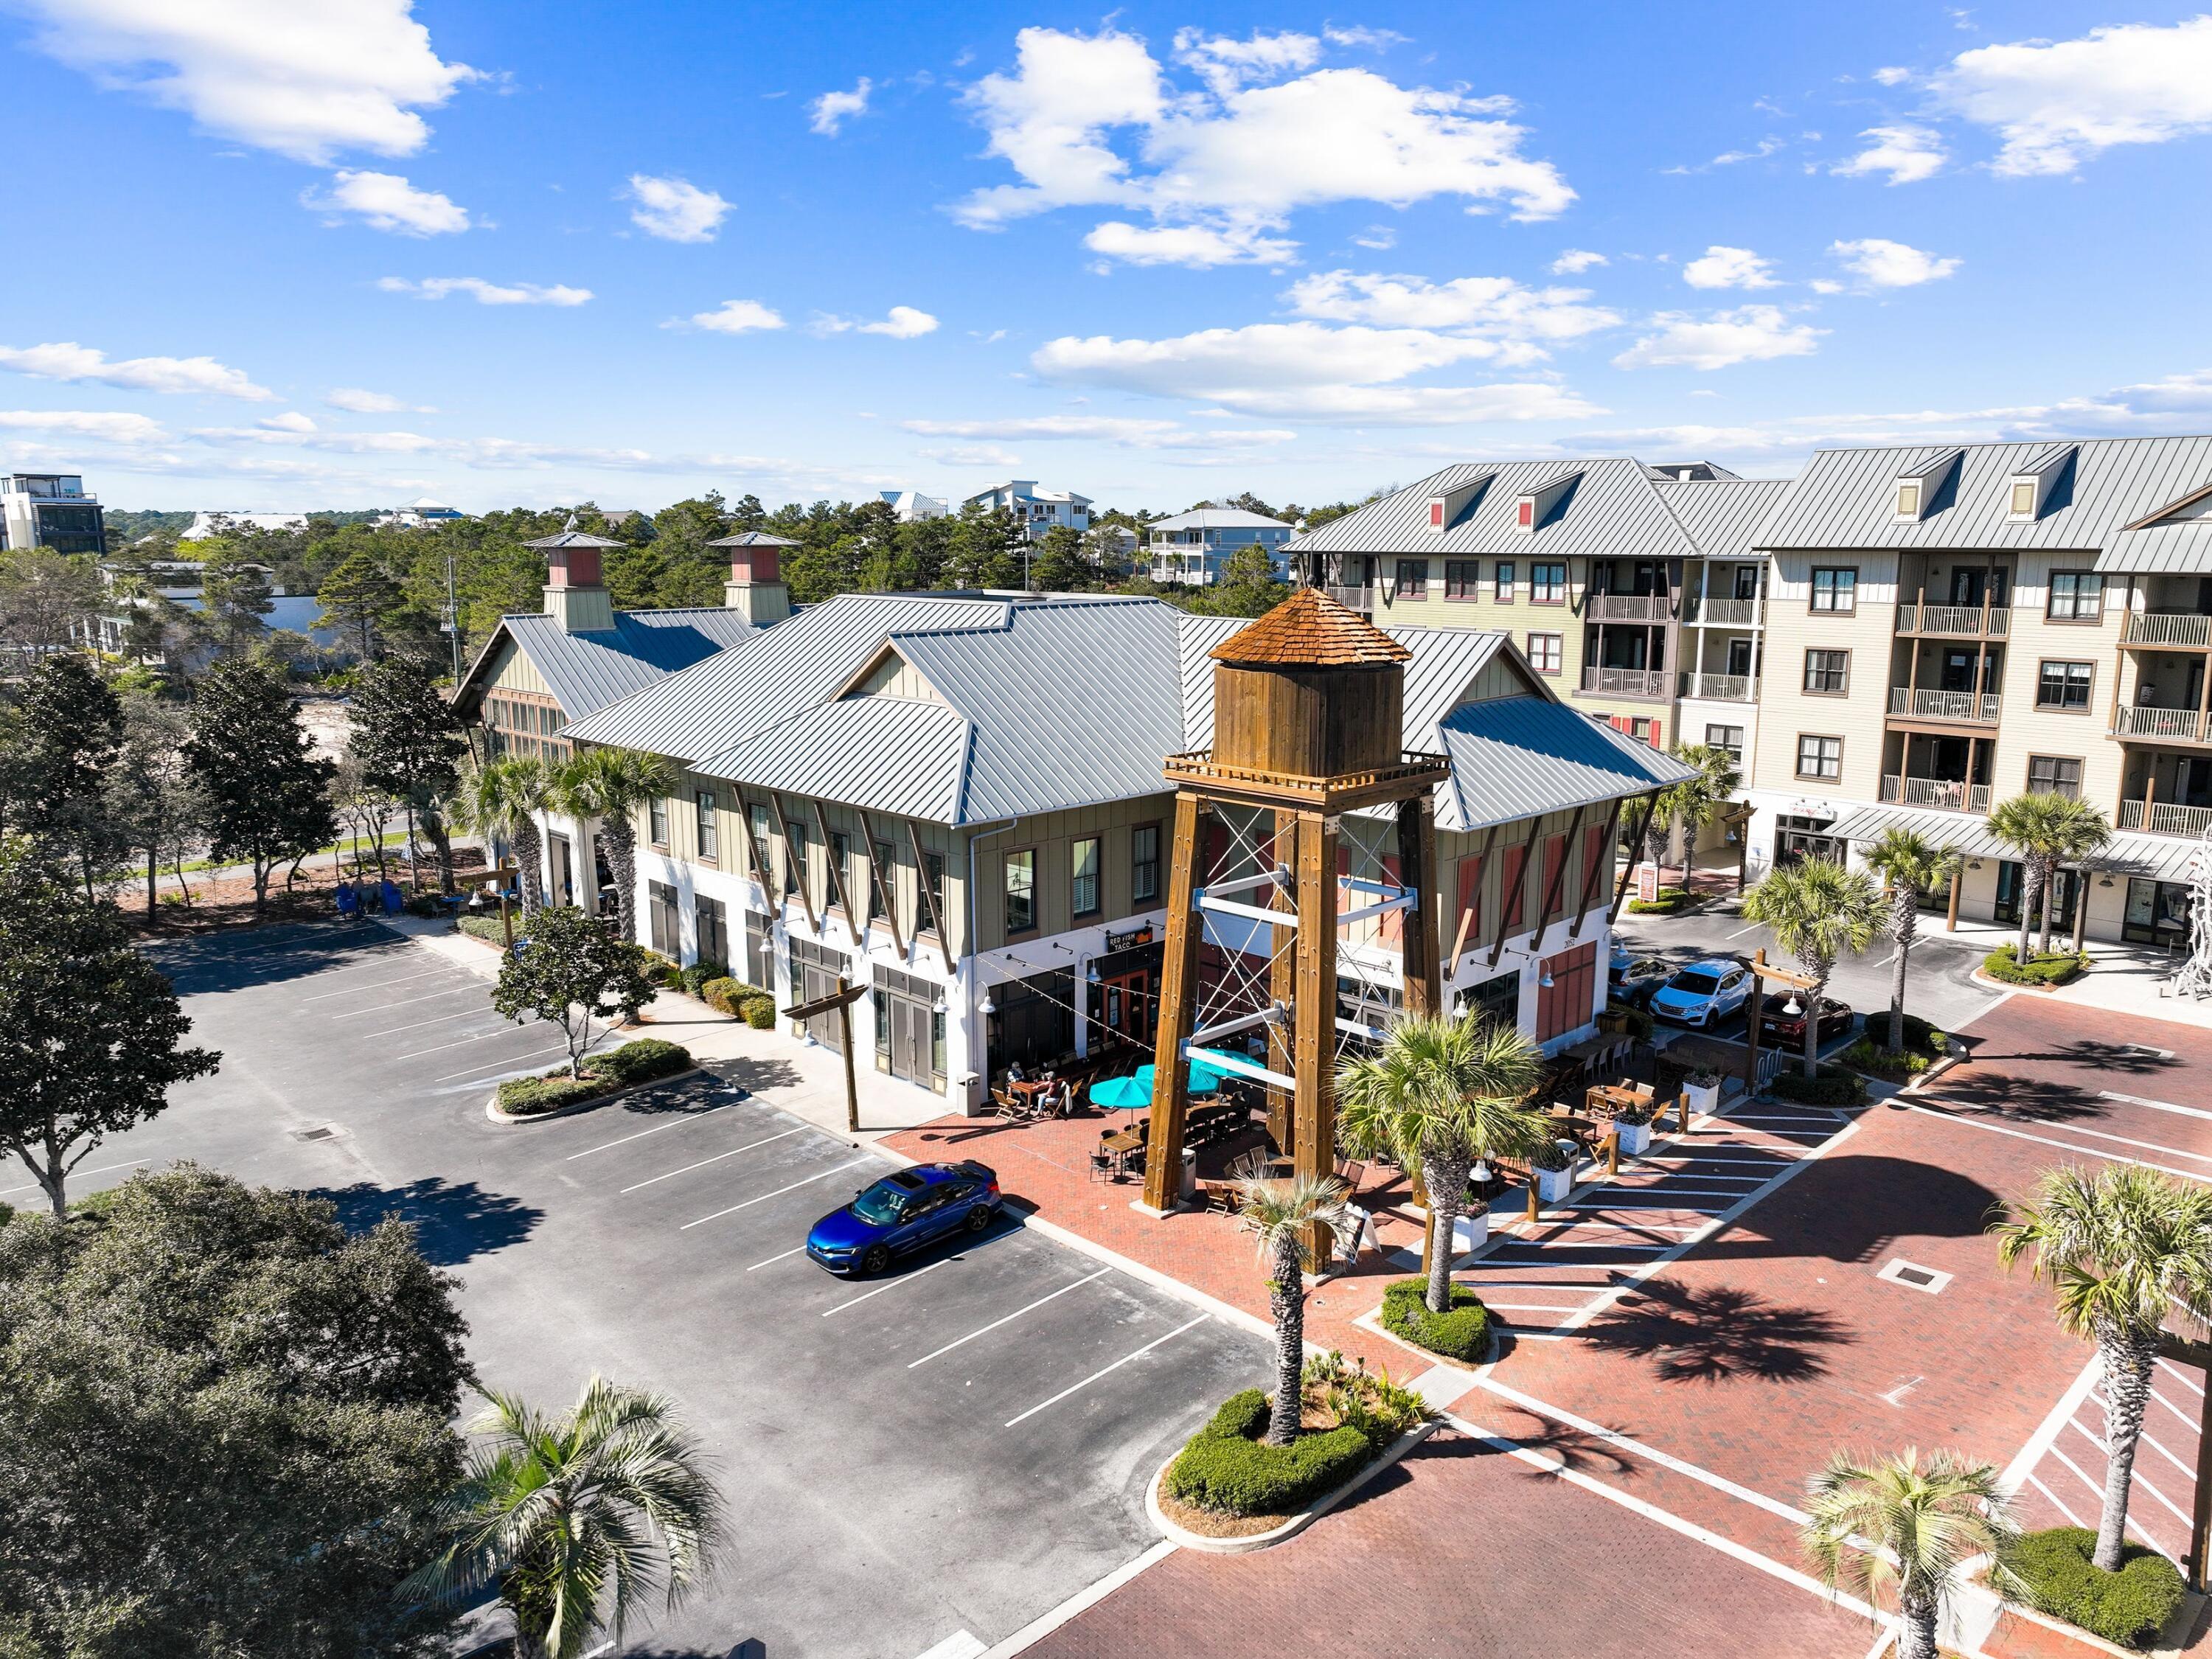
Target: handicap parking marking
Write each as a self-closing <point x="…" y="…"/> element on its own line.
<point x="1045" y="1405"/>
<point x="672" y="1173"/>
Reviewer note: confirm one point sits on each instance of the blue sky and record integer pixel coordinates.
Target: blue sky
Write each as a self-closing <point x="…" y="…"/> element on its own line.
<point x="275" y="257"/>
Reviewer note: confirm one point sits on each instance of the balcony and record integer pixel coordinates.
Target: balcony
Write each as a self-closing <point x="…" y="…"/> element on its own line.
<point x="2166" y="627"/>
<point x="2165" y="818"/>
<point x="1627" y="607"/>
<point x="1954" y="621"/>
<point x="1962" y="706"/>
<point x="1727" y="613"/>
<point x="1653" y="682"/>
<point x="2158" y="725"/>
<point x="1952" y="796"/>
<point x="1721" y="688"/>
<point x="1361" y="599"/>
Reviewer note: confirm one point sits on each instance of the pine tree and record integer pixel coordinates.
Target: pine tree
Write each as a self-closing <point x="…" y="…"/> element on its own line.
<point x="409" y="743"/>
<point x="358" y="596"/>
<point x="267" y="790"/>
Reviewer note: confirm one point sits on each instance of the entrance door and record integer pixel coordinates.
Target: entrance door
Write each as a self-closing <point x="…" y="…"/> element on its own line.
<point x="564" y="879"/>
<point x="2011" y="877"/>
<point x="910" y="1040"/>
<point x="1125" y="1007"/>
<point x="826" y="1029"/>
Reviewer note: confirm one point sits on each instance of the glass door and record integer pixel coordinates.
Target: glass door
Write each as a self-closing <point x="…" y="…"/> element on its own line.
<point x="2010" y="879"/>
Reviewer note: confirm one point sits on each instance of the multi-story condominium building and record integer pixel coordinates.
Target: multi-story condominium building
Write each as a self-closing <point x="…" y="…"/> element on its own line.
<point x="50" y="510"/>
<point x="1949" y="626"/>
<point x="957" y="800"/>
<point x="1190" y="548"/>
<point x="1039" y="510"/>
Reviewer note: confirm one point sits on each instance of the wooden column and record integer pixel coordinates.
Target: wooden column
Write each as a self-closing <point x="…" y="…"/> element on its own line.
<point x="1751" y="1027"/>
<point x="1420" y="948"/>
<point x="1958" y="872"/>
<point x="1282" y="983"/>
<point x="2082" y="908"/>
<point x="1315" y="1108"/>
<point x="1635" y="857"/>
<point x="1178" y="996"/>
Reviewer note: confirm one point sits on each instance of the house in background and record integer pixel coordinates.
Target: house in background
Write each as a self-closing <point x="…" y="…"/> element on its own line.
<point x="50" y="510"/>
<point x="1039" y="510"/>
<point x="205" y="525"/>
<point x="182" y="582"/>
<point x="909" y="505"/>
<point x="421" y="513"/>
<point x="1190" y="548"/>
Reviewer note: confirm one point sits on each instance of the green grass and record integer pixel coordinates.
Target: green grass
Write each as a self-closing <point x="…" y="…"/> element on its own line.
<point x="352" y="845"/>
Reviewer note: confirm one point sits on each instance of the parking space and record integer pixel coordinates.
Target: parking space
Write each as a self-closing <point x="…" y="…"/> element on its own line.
<point x="956" y="1447"/>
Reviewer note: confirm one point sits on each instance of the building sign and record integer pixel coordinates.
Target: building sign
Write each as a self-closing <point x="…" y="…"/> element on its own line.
<point x="1647" y="884"/>
<point x="1126" y="941"/>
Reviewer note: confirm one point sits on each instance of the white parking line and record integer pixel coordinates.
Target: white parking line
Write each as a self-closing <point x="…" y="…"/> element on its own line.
<point x="1753" y="929"/>
<point x="2063" y="1145"/>
<point x="105" y="1168"/>
<point x="778" y="1193"/>
<point x="477" y="986"/>
<point x="2098" y="1487"/>
<point x="689" y="1117"/>
<point x="501" y="1029"/>
<point x="1536" y="1307"/>
<point x="2058" y="1503"/>
<point x="417" y="1025"/>
<point x="986" y="1329"/>
<point x="780" y="1255"/>
<point x="2155" y="1105"/>
<point x="357" y="990"/>
<point x="2180" y="1377"/>
<point x="672" y="1175"/>
<point x="889" y="1285"/>
<point x="1116" y="1366"/>
<point x="2139" y="1146"/>
<point x="1660" y="1208"/>
<point x="504" y="1064"/>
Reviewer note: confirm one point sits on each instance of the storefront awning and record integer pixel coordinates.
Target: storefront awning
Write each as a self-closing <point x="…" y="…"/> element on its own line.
<point x="2158" y="857"/>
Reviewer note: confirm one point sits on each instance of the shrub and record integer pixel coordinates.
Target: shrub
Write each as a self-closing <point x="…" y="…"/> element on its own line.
<point x="1670" y="900"/>
<point x="487" y="928"/>
<point x="760" y="1013"/>
<point x="424" y="904"/>
<point x="722" y="995"/>
<point x="1369" y="1401"/>
<point x="1870" y="1056"/>
<point x="2055" y="968"/>
<point x="640" y="1061"/>
<point x="533" y="1096"/>
<point x="1462" y="1333"/>
<point x="2129" y="1607"/>
<point x="1637" y="1022"/>
<point x="1836" y="1085"/>
<point x="1228" y="1469"/>
<point x="1553" y="1155"/>
<point x="701" y="973"/>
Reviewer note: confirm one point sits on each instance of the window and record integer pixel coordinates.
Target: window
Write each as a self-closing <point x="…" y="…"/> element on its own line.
<point x="757" y="817"/>
<point x="1413" y="579"/>
<point x="710" y="843"/>
<point x="841" y="863"/>
<point x="1462" y="579"/>
<point x="1502" y="583"/>
<point x="794" y="862"/>
<point x="1436" y="515"/>
<point x="711" y="923"/>
<point x="1827" y="673"/>
<point x="658" y="827"/>
<point x="2076" y="596"/>
<point x="1640" y="729"/>
<point x="880" y="877"/>
<point x="1820" y="757"/>
<point x="2063" y="686"/>
<point x="1145" y="864"/>
<point x="1835" y="589"/>
<point x="1544" y="652"/>
<point x="2023" y="499"/>
<point x="932" y="871"/>
<point x="1524" y="515"/>
<point x="1908" y="499"/>
<point x="1082" y="876"/>
<point x="2051" y="775"/>
<point x="1021" y="891"/>
<point x="1728" y="739"/>
<point x="1548" y="584"/>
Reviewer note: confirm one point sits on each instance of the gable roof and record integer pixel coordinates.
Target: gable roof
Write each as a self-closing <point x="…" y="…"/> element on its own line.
<point x="588" y="672"/>
<point x="1218" y="518"/>
<point x="1513" y="758"/>
<point x="1614" y="511"/>
<point x="1724" y="517"/>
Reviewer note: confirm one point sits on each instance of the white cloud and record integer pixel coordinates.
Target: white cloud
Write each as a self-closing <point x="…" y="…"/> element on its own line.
<point x="65" y="360"/>
<point x="737" y="317"/>
<point x="487" y="294"/>
<point x="105" y="425"/>
<point x="833" y="109"/>
<point x="675" y="209"/>
<point x="1123" y="431"/>
<point x="1236" y="158"/>
<point x="1891" y="264"/>
<point x="387" y="202"/>
<point x="1576" y="260"/>
<point x="1378" y="237"/>
<point x="1198" y="246"/>
<point x="1729" y="267"/>
<point x="356" y="401"/>
<point x="1892" y="76"/>
<point x="2057" y="103"/>
<point x="902" y="323"/>
<point x="1758" y="152"/>
<point x="1359" y="35"/>
<point x="1906" y="154"/>
<point x="290" y="421"/>
<point x="1435" y="406"/>
<point x="1494" y="307"/>
<point x="306" y="81"/>
<point x="1225" y="64"/>
<point x="1825" y="285"/>
<point x="1748" y="334"/>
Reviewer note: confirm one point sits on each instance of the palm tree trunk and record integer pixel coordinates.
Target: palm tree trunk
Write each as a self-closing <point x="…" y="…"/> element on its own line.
<point x="529" y="876"/>
<point x="2049" y="887"/>
<point x="1916" y="1627"/>
<point x="1812" y="1031"/>
<point x="441" y="842"/>
<point x="2026" y="953"/>
<point x="2128" y="1362"/>
<point x="622" y="857"/>
<point x="1447" y="1174"/>
<point x="1286" y="1299"/>
<point x="153" y="865"/>
<point x="1908" y="923"/>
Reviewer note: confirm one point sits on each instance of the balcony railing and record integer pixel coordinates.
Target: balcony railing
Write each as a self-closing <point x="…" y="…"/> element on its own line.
<point x="1945" y="705"/>
<point x="1740" y="613"/>
<point x="1721" y="688"/>
<point x="1627" y="607"/>
<point x="2166" y="627"/>
<point x="2161" y="725"/>
<point x="2165" y="818"/>
<point x="1953" y="619"/>
<point x="1626" y="682"/>
<point x="1352" y="598"/>
<point x="1952" y="796"/>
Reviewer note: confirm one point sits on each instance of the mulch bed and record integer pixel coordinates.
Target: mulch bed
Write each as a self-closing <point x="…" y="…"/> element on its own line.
<point x="218" y="904"/>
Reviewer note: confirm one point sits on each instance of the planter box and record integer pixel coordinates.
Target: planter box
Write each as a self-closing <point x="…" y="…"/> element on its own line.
<point x="1470" y="1232"/>
<point x="1553" y="1185"/>
<point x="1634" y="1137"/>
<point x="1703" y="1097"/>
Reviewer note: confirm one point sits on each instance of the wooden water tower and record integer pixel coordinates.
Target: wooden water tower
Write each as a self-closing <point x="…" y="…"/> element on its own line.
<point x="1308" y="724"/>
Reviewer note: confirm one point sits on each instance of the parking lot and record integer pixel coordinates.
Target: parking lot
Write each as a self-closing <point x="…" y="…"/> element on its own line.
<point x="954" y="1449"/>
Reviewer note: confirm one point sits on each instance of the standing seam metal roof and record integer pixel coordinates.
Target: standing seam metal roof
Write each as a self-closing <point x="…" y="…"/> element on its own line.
<point x="587" y="672"/>
<point x="1614" y="511"/>
<point x="1724" y="517"/>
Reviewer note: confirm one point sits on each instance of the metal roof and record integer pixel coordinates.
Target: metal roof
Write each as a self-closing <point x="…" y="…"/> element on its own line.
<point x="754" y="538"/>
<point x="1218" y="518"/>
<point x="1613" y="512"/>
<point x="1723" y="517"/>
<point x="1515" y="757"/>
<point x="912" y="756"/>
<point x="1846" y="499"/>
<point x="587" y="672"/>
<point x="2162" y="858"/>
<point x="573" y="538"/>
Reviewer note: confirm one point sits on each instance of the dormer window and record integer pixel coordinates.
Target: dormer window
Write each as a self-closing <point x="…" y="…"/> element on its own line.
<point x="1908" y="499"/>
<point x="2023" y="498"/>
<point x="1436" y="514"/>
<point x="1524" y="514"/>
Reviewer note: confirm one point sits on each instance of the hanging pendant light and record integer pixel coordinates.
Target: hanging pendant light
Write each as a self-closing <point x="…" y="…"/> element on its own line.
<point x="1793" y="1007"/>
<point x="987" y="1006"/>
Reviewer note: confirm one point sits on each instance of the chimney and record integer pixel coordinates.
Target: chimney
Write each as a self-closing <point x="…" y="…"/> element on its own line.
<point x="576" y="596"/>
<point x="756" y="586"/>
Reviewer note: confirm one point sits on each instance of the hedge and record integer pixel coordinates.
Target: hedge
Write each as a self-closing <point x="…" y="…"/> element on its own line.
<point x="640" y="1061"/>
<point x="2129" y="1607"/>
<point x="635" y="1062"/>
<point x="1835" y="1087"/>
<point x="2055" y="968"/>
<point x="486" y="928"/>
<point x="533" y="1096"/>
<point x="722" y="994"/>
<point x="760" y="1013"/>
<point x="1670" y="900"/>
<point x="1228" y="1469"/>
<point x="1462" y="1333"/>
<point x="701" y="973"/>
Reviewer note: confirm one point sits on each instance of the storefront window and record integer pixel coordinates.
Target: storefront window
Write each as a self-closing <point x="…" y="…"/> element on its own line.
<point x="2158" y="911"/>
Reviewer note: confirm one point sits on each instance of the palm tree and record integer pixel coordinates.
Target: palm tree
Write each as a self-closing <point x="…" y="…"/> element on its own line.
<point x="1286" y="1218"/>
<point x="2047" y="830"/>
<point x="611" y="784"/>
<point x="2124" y="1248"/>
<point x="1818" y="910"/>
<point x="564" y="1512"/>
<point x="1910" y="1522"/>
<point x="1912" y="864"/>
<point x="1440" y="1095"/>
<point x="1688" y="806"/>
<point x="501" y="800"/>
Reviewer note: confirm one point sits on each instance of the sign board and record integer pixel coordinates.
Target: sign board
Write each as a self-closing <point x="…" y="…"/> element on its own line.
<point x="1126" y="941"/>
<point x="1647" y="884"/>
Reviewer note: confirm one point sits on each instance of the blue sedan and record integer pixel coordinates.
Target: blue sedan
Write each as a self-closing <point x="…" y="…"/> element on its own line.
<point x="902" y="1212"/>
<point x="1704" y="994"/>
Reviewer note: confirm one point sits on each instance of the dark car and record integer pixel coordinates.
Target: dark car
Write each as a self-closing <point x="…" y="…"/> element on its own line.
<point x="1631" y="979"/>
<point x="905" y="1211"/>
<point x="1787" y="1030"/>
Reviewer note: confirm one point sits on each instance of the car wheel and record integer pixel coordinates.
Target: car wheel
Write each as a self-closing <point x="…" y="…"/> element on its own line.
<point x="979" y="1217"/>
<point x="877" y="1258"/>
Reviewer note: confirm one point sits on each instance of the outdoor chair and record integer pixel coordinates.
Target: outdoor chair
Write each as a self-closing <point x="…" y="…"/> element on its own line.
<point x="1102" y="1167"/>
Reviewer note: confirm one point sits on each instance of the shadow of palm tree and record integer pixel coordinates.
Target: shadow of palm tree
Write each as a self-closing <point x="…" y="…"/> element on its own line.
<point x="1576" y="1449"/>
<point x="453" y="1222"/>
<point x="1724" y="1333"/>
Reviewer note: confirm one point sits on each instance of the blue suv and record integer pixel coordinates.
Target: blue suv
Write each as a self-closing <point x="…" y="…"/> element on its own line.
<point x="903" y="1211"/>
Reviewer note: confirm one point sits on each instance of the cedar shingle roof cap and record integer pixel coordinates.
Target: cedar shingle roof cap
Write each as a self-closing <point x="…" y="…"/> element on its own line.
<point x="1310" y="630"/>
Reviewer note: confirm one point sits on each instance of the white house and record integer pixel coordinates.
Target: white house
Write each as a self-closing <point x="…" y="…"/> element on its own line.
<point x="908" y="505"/>
<point x="1038" y="509"/>
<point x="420" y="513"/>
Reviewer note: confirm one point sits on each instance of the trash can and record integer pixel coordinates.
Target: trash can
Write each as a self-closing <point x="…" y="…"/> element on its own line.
<point x="1190" y="1172"/>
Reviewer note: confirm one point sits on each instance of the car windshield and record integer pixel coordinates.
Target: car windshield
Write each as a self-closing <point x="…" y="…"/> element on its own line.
<point x="1692" y="982"/>
<point x="886" y="1201"/>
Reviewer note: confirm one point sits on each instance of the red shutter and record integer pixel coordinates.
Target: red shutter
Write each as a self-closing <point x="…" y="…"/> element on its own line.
<point x="1594" y="853"/>
<point x="1555" y="855"/>
<point x="1658" y="733"/>
<point x="1466" y="923"/>
<point x="1514" y="900"/>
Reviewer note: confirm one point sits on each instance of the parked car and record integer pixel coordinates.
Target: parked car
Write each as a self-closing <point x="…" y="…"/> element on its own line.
<point x="903" y="1211"/>
<point x="1631" y="979"/>
<point x="1704" y="994"/>
<point x="1782" y="1029"/>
